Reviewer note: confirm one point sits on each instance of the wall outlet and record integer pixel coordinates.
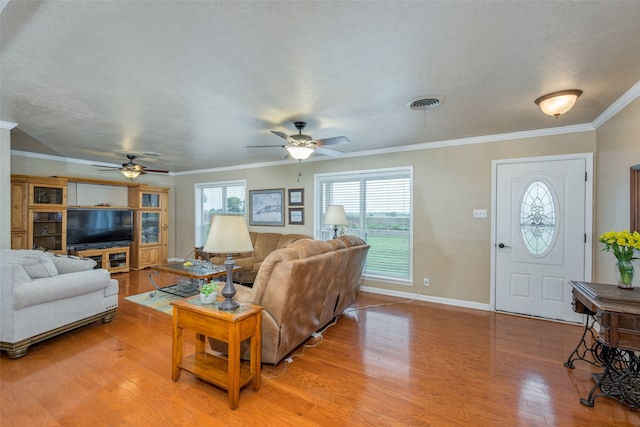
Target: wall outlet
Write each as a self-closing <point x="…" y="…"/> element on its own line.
<point x="479" y="213"/>
<point x="426" y="281"/>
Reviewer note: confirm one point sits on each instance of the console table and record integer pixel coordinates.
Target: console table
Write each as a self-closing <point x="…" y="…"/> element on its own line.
<point x="617" y="343"/>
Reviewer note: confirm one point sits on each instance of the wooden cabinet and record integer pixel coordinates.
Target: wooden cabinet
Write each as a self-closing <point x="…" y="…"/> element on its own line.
<point x="39" y="213"/>
<point x="151" y="224"/>
<point x="116" y="260"/>
<point x="39" y="219"/>
<point x="19" y="212"/>
<point x="48" y="230"/>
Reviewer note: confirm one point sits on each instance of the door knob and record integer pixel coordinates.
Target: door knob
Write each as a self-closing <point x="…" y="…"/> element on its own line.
<point x="502" y="245"/>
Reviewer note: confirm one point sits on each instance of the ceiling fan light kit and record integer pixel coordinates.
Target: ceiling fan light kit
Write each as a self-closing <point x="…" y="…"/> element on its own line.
<point x="300" y="153"/>
<point x="133" y="170"/>
<point x="557" y="103"/>
<point x="301" y="146"/>
<point x="130" y="174"/>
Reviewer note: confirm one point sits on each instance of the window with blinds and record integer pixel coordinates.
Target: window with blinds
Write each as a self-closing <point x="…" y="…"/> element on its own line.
<point x="217" y="198"/>
<point x="378" y="206"/>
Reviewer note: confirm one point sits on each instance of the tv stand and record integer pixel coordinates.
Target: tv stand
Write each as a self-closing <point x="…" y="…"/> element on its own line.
<point x="116" y="260"/>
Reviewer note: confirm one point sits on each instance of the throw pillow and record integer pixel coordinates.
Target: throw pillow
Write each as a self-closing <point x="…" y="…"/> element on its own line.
<point x="71" y="264"/>
<point x="35" y="263"/>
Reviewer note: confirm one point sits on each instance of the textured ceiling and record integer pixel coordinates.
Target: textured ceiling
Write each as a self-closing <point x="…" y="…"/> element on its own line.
<point x="199" y="81"/>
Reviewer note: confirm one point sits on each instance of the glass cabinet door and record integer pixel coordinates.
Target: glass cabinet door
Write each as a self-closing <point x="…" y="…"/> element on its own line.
<point x="47" y="195"/>
<point x="150" y="227"/>
<point x="47" y="230"/>
<point x="150" y="200"/>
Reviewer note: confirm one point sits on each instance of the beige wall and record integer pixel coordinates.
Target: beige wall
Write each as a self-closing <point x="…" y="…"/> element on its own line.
<point x="450" y="246"/>
<point x="618" y="150"/>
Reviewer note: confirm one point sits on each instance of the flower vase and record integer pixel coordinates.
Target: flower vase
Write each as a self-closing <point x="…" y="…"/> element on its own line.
<point x="624" y="274"/>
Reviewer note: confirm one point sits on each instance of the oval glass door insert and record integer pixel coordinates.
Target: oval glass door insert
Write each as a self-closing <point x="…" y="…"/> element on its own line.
<point x="538" y="218"/>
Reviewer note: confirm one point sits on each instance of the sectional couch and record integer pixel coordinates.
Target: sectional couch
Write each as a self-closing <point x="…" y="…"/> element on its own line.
<point x="43" y="295"/>
<point x="263" y="245"/>
<point x="302" y="288"/>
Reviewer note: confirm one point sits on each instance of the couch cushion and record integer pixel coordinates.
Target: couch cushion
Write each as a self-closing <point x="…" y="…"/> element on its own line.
<point x="71" y="264"/>
<point x="265" y="244"/>
<point x="35" y="263"/>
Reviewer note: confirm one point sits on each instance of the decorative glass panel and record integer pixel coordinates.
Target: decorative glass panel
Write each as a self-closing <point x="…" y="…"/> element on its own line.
<point x="538" y="218"/>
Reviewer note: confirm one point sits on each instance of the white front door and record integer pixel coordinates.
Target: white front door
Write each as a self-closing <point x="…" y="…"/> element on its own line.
<point x="540" y="233"/>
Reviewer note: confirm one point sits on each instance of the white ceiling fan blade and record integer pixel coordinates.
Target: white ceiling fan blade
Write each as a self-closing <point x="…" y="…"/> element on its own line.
<point x="337" y="140"/>
<point x="280" y="134"/>
<point x="328" y="152"/>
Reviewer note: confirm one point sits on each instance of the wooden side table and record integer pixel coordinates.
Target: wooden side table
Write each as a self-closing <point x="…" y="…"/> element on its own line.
<point x="231" y="327"/>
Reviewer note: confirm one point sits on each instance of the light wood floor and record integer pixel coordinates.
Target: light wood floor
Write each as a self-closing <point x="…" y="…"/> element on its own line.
<point x="415" y="363"/>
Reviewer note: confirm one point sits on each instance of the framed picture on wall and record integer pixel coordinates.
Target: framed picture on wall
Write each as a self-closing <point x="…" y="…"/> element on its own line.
<point x="266" y="207"/>
<point x="296" y="196"/>
<point x="296" y="216"/>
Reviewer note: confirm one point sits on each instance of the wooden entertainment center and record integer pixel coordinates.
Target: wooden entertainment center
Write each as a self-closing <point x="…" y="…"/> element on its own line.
<point x="39" y="207"/>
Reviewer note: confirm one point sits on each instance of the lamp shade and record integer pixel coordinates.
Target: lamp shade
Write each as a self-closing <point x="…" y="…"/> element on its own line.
<point x="557" y="103"/>
<point x="335" y="215"/>
<point x="228" y="234"/>
<point x="299" y="153"/>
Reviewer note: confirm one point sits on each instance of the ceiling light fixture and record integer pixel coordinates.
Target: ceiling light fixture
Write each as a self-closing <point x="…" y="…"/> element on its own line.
<point x="130" y="174"/>
<point x="557" y="103"/>
<point x="300" y="153"/>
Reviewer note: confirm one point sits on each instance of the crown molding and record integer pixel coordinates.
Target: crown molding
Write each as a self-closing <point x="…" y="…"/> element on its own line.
<point x="587" y="127"/>
<point x="7" y="125"/>
<point x="627" y="98"/>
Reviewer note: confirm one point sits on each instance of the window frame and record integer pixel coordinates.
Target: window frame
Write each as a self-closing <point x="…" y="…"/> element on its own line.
<point x="321" y="201"/>
<point x="198" y="204"/>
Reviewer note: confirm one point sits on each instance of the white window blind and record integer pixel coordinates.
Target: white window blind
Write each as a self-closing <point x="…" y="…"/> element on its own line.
<point x="216" y="198"/>
<point x="378" y="205"/>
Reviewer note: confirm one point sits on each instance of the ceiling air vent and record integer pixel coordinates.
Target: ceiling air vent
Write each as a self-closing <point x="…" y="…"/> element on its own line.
<point x="424" y="103"/>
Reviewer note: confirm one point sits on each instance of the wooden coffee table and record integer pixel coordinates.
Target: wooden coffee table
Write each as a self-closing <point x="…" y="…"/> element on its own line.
<point x="231" y="327"/>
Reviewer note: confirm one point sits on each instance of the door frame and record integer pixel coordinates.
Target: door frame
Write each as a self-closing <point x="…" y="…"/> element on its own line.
<point x="588" y="212"/>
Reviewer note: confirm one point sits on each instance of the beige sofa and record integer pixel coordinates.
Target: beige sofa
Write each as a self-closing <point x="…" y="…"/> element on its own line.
<point x="43" y="295"/>
<point x="302" y="288"/>
<point x="263" y="244"/>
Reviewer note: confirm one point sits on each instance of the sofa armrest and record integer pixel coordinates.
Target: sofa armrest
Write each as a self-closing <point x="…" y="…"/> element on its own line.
<point x="40" y="291"/>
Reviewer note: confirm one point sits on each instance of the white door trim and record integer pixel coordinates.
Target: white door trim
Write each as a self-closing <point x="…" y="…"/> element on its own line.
<point x="588" y="220"/>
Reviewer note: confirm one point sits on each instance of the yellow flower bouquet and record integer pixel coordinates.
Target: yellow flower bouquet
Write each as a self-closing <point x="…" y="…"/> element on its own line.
<point x="623" y="244"/>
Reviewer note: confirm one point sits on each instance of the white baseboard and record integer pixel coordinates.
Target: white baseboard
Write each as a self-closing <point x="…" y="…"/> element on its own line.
<point x="428" y="298"/>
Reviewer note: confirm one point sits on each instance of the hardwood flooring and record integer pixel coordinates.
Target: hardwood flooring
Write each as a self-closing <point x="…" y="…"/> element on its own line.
<point x="393" y="364"/>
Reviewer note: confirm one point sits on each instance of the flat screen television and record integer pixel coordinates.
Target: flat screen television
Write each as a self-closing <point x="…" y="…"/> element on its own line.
<point x="99" y="227"/>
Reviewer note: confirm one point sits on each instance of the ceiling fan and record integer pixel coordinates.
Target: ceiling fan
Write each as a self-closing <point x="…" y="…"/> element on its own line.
<point x="132" y="170"/>
<point x="301" y="146"/>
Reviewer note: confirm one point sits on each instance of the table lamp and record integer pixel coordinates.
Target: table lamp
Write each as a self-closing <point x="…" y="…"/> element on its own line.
<point x="335" y="216"/>
<point x="228" y="234"/>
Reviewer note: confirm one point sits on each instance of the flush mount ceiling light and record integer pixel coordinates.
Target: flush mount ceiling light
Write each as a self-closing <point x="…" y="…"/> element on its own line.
<point x="557" y="103"/>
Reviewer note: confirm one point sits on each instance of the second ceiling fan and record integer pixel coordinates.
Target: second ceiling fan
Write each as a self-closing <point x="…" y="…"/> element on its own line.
<point x="301" y="146"/>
